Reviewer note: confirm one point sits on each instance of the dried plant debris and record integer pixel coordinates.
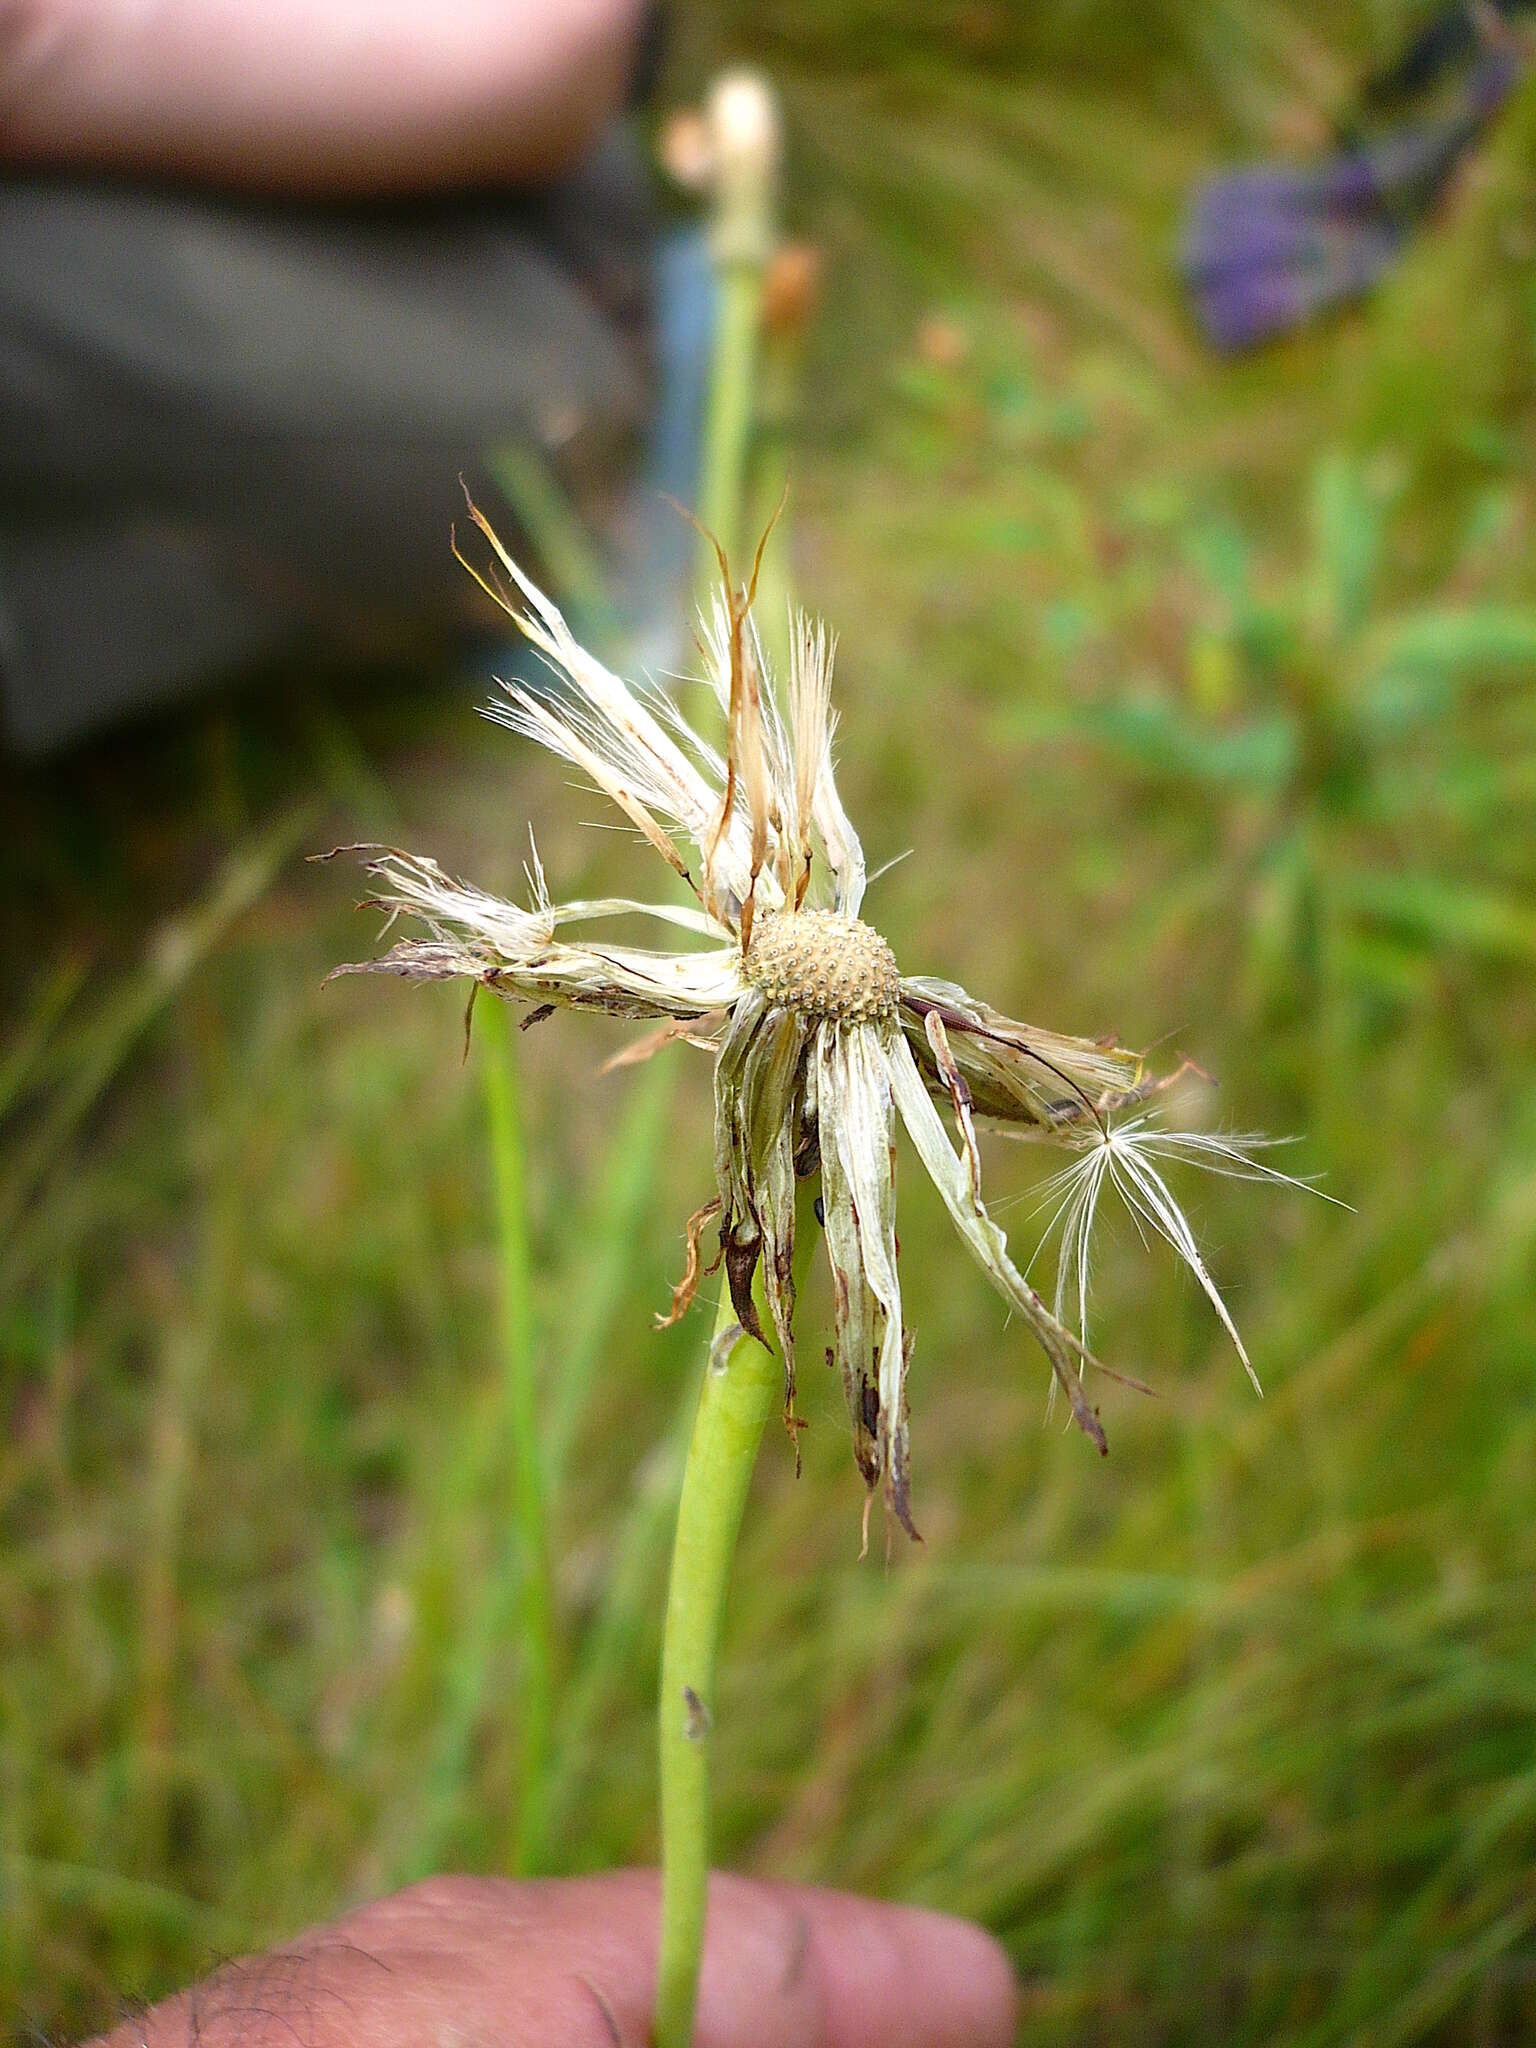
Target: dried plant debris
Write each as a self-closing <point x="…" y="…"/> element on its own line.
<point x="820" y="1043"/>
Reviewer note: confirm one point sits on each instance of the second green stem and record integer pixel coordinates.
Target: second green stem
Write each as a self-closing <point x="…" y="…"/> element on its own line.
<point x="520" y="1418"/>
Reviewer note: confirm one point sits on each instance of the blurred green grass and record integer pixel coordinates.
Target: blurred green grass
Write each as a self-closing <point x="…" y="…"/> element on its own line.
<point x="1229" y="1738"/>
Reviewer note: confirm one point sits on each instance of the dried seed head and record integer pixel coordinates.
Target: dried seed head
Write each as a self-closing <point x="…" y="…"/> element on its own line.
<point x="823" y="965"/>
<point x="820" y="1047"/>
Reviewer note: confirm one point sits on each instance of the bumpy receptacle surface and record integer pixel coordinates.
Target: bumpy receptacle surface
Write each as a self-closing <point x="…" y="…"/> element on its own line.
<point x="823" y="965"/>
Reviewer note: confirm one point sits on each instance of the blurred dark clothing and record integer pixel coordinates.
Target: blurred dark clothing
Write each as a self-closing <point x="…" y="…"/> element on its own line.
<point x="224" y="423"/>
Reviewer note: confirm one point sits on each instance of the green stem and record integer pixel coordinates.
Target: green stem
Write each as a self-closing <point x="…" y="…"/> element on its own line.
<point x="742" y="1386"/>
<point x="520" y="1412"/>
<point x="728" y="424"/>
<point x="782" y="348"/>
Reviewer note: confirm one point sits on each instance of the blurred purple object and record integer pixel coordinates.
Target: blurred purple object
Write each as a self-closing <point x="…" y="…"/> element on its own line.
<point x="1268" y="246"/>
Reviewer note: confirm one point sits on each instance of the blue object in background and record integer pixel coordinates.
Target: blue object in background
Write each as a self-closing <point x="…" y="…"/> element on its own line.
<point x="1268" y="246"/>
<point x="658" y="576"/>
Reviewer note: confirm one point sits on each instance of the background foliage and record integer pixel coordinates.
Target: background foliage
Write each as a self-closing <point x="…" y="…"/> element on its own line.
<point x="1208" y="694"/>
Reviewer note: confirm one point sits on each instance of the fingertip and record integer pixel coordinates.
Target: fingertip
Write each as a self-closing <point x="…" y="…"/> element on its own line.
<point x="979" y="1961"/>
<point x="906" y="1977"/>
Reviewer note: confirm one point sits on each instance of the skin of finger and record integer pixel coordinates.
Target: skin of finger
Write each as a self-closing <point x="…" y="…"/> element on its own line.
<point x="847" y="1972"/>
<point x="461" y="1960"/>
<point x="486" y="1960"/>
